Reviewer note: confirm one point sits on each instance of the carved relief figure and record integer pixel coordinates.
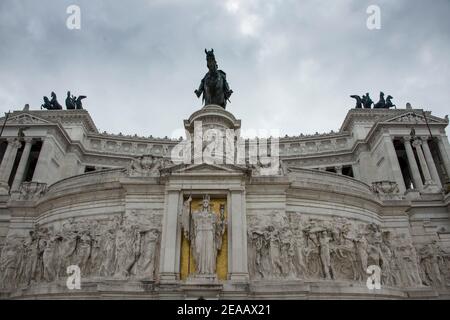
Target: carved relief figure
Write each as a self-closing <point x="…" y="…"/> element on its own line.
<point x="302" y="253"/>
<point x="83" y="250"/>
<point x="67" y="246"/>
<point x="407" y="259"/>
<point x="96" y="248"/>
<point x="8" y="262"/>
<point x="126" y="238"/>
<point x="389" y="269"/>
<point x="146" y="262"/>
<point x="274" y="250"/>
<point x="324" y="247"/>
<point x="108" y="245"/>
<point x="431" y="256"/>
<point x="48" y="258"/>
<point x="362" y="247"/>
<point x="147" y="165"/>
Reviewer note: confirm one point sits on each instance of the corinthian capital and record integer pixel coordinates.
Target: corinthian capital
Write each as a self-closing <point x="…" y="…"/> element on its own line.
<point x="417" y="142"/>
<point x="406" y="139"/>
<point x="14" y="142"/>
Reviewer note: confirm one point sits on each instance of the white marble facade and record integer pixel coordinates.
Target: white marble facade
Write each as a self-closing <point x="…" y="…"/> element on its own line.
<point x="374" y="193"/>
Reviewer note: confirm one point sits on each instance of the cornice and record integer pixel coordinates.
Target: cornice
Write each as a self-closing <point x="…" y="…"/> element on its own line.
<point x="60" y="116"/>
<point x="381" y="115"/>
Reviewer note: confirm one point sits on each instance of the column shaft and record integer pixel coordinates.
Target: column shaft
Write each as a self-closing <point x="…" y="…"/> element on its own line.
<point x="356" y="171"/>
<point x="238" y="232"/>
<point x="413" y="165"/>
<point x="431" y="165"/>
<point x="393" y="160"/>
<point x="168" y="254"/>
<point x="5" y="160"/>
<point x="22" y="165"/>
<point x="7" y="163"/>
<point x="423" y="164"/>
<point x="444" y="155"/>
<point x="42" y="166"/>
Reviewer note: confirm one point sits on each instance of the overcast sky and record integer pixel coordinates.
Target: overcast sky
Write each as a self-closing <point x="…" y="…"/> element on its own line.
<point x="292" y="64"/>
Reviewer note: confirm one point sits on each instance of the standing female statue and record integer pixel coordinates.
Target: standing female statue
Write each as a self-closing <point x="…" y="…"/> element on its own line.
<point x="204" y="229"/>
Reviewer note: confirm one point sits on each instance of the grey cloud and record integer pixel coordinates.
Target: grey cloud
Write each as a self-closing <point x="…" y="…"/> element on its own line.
<point x="292" y="64"/>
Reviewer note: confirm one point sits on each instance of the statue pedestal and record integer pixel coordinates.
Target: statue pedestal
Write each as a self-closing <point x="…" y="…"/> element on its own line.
<point x="212" y="123"/>
<point x="202" y="287"/>
<point x="202" y="279"/>
<point x="212" y="117"/>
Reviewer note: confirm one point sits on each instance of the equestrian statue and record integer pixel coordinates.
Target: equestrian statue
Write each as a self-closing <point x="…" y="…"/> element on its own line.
<point x="214" y="85"/>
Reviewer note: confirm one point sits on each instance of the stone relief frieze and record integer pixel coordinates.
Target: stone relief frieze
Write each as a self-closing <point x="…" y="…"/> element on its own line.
<point x="302" y="247"/>
<point x="147" y="166"/>
<point x="310" y="147"/>
<point x="331" y="160"/>
<point x="30" y="191"/>
<point x="122" y="247"/>
<point x="265" y="169"/>
<point x="129" y="147"/>
<point x="26" y="119"/>
<point x="386" y="190"/>
<point x="411" y="117"/>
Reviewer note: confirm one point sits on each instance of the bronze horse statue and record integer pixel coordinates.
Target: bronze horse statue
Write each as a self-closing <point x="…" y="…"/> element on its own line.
<point x="359" y="101"/>
<point x="214" y="85"/>
<point x="52" y="104"/>
<point x="381" y="104"/>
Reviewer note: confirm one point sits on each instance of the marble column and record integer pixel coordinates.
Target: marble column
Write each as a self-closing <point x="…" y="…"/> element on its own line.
<point x="430" y="162"/>
<point x="338" y="169"/>
<point x="445" y="156"/>
<point x="168" y="268"/>
<point x="7" y="164"/>
<point x="41" y="172"/>
<point x="395" y="166"/>
<point x="423" y="164"/>
<point x="22" y="164"/>
<point x="237" y="259"/>
<point x="417" y="179"/>
<point x="356" y="171"/>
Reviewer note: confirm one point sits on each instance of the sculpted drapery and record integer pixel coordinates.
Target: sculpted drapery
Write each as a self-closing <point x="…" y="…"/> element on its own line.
<point x="205" y="230"/>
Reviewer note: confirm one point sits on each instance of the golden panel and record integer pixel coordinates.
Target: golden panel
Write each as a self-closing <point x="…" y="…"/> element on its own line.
<point x="187" y="263"/>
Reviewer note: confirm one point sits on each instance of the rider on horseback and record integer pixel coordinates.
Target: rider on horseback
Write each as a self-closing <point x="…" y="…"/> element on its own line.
<point x="214" y="85"/>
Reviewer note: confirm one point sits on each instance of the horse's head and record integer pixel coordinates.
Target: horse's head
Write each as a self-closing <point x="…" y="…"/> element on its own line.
<point x="211" y="60"/>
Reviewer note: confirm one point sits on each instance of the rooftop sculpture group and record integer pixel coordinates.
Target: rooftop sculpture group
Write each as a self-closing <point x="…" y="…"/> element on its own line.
<point x="366" y="102"/>
<point x="72" y="102"/>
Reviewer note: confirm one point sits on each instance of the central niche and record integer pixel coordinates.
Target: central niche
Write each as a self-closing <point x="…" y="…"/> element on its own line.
<point x="217" y="206"/>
